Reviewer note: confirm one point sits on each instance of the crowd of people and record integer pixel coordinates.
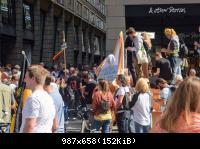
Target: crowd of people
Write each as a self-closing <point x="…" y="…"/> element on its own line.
<point x="59" y="93"/>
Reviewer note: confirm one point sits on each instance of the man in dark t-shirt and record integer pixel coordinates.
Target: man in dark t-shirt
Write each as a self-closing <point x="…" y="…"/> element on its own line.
<point x="91" y="84"/>
<point x="163" y="66"/>
<point x="74" y="82"/>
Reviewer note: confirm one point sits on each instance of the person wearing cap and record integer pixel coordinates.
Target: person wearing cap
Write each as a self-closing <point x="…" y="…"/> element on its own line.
<point x="165" y="93"/>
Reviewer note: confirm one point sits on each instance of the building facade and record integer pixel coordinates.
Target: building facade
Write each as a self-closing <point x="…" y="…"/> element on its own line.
<point x="36" y="27"/>
<point x="153" y="16"/>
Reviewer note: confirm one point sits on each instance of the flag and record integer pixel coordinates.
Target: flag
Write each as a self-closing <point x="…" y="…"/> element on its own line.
<point x="58" y="55"/>
<point x="17" y="118"/>
<point x="113" y="65"/>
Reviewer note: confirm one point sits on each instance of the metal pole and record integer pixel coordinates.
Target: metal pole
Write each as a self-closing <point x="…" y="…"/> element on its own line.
<point x="65" y="59"/>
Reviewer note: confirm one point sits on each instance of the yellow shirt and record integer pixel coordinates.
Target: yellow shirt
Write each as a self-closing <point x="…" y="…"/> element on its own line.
<point x="103" y="117"/>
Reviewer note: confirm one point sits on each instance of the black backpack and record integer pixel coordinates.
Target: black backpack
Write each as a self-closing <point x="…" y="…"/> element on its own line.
<point x="125" y="102"/>
<point x="134" y="100"/>
<point x="104" y="106"/>
<point x="183" y="51"/>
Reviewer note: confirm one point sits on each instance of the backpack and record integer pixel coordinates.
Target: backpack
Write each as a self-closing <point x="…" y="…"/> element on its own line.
<point x="104" y="106"/>
<point x="183" y="50"/>
<point x="134" y="100"/>
<point x="125" y="102"/>
<point x="5" y="104"/>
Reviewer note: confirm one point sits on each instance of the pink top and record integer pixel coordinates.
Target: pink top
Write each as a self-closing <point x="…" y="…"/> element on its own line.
<point x="181" y="126"/>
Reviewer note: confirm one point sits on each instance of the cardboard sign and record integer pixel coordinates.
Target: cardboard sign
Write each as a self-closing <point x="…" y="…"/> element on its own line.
<point x="109" y="73"/>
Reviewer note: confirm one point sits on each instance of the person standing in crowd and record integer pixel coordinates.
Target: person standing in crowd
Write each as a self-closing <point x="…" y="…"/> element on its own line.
<point x="90" y="86"/>
<point x="18" y="68"/>
<point x="74" y="82"/>
<point x="183" y="113"/>
<point x="103" y="105"/>
<point x="165" y="93"/>
<point x="163" y="68"/>
<point x="141" y="107"/>
<point x="58" y="102"/>
<point x="136" y="44"/>
<point x="131" y="56"/>
<point x="148" y="47"/>
<point x="39" y="114"/>
<point x="7" y="102"/>
<point x="14" y="83"/>
<point x="55" y="71"/>
<point x="197" y="44"/>
<point x="122" y="115"/>
<point x="173" y="52"/>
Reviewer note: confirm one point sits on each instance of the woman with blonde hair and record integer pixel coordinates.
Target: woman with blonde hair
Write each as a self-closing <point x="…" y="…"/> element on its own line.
<point x="147" y="46"/>
<point x="141" y="107"/>
<point x="103" y="105"/>
<point x="183" y="113"/>
<point x="173" y="51"/>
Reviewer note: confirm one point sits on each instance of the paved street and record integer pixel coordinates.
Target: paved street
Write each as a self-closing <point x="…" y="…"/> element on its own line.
<point x="75" y="127"/>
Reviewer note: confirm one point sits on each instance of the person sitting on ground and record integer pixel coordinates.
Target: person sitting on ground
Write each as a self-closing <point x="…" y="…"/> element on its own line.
<point x="165" y="93"/>
<point x="193" y="73"/>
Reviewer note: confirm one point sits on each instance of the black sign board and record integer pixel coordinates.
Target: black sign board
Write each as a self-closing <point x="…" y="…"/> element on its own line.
<point x="162" y="10"/>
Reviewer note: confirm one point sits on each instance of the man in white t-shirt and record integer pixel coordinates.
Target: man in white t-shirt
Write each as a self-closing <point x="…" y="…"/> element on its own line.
<point x="39" y="113"/>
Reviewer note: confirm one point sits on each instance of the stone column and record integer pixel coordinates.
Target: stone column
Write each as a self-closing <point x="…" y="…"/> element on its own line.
<point x="59" y="34"/>
<point x="37" y="33"/>
<point x="14" y="55"/>
<point x="70" y="41"/>
<point x="102" y="46"/>
<point x="92" y="46"/>
<point x="80" y="45"/>
<point x="48" y="37"/>
<point x="87" y="45"/>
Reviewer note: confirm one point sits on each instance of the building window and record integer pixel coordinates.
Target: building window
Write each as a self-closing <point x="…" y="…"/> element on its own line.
<point x="86" y="13"/>
<point x="78" y="8"/>
<point x="92" y="18"/>
<point x="7" y="8"/>
<point x="70" y="4"/>
<point x="42" y="28"/>
<point x="60" y="2"/>
<point x="28" y="16"/>
<point x="98" y="5"/>
<point x="4" y="6"/>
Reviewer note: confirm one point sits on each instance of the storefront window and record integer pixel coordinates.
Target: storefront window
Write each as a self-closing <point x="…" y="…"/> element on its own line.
<point x="7" y="8"/>
<point x="28" y="22"/>
<point x="4" y="5"/>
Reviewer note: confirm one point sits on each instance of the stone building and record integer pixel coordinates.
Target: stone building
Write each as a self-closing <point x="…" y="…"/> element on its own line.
<point x="36" y="26"/>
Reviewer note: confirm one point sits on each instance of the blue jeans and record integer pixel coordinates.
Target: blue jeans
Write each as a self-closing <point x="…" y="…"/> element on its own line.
<point x="104" y="124"/>
<point x="66" y="115"/>
<point x="122" y="123"/>
<point x="4" y="128"/>
<point x="175" y="63"/>
<point x="141" y="129"/>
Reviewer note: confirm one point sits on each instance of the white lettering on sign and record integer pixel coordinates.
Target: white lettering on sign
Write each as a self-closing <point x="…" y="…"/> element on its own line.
<point x="169" y="10"/>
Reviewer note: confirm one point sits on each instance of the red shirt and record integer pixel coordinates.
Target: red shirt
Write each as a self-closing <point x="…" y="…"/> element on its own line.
<point x="98" y="96"/>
